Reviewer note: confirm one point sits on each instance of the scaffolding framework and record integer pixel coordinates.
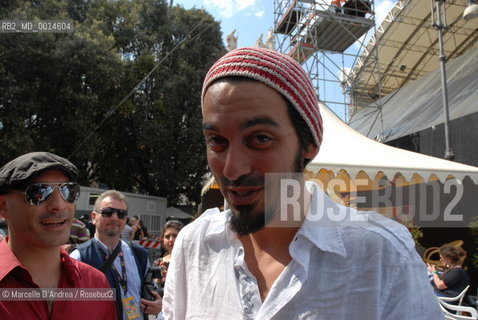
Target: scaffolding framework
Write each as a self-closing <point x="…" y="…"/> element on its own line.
<point x="327" y="40"/>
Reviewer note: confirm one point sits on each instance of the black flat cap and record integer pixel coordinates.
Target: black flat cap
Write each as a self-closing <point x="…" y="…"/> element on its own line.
<point x="20" y="171"/>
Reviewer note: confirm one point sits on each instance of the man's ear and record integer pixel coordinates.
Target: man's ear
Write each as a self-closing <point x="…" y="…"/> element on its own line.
<point x="311" y="151"/>
<point x="93" y="216"/>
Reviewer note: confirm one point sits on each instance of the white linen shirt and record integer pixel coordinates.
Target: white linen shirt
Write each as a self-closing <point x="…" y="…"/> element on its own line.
<point x="343" y="269"/>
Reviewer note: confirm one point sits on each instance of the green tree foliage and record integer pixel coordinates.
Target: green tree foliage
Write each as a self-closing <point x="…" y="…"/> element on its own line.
<point x="61" y="92"/>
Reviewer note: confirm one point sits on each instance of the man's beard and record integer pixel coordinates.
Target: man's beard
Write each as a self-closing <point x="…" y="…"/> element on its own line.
<point x="244" y="220"/>
<point x="112" y="233"/>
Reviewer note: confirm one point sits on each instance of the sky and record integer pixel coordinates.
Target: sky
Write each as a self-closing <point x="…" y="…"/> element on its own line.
<point x="253" y="18"/>
<point x="250" y="18"/>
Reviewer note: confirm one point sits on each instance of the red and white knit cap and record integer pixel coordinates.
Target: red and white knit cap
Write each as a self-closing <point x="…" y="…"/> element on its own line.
<point x="277" y="71"/>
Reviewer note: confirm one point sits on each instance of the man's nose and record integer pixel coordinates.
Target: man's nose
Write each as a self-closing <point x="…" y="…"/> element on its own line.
<point x="114" y="216"/>
<point x="56" y="201"/>
<point x="237" y="163"/>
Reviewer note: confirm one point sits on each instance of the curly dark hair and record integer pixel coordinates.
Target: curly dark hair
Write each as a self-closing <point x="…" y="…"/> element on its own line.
<point x="172" y="224"/>
<point x="454" y="254"/>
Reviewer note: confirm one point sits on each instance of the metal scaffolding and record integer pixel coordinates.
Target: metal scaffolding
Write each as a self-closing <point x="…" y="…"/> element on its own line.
<point x="327" y="40"/>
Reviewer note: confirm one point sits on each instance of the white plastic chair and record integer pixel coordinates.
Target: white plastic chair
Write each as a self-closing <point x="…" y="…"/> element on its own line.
<point x="458" y="298"/>
<point x="445" y="307"/>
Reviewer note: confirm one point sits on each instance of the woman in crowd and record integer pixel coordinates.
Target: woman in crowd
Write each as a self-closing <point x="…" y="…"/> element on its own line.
<point x="454" y="279"/>
<point x="136" y="232"/>
<point x="168" y="236"/>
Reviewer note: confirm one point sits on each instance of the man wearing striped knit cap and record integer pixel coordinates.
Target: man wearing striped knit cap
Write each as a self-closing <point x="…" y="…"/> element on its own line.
<point x="283" y="249"/>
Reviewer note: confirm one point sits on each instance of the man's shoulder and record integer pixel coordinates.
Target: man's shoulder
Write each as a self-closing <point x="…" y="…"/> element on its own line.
<point x="379" y="231"/>
<point x="84" y="250"/>
<point x="87" y="276"/>
<point x="85" y="245"/>
<point x="135" y="247"/>
<point x="212" y="221"/>
<point x="83" y="267"/>
<point x="368" y="227"/>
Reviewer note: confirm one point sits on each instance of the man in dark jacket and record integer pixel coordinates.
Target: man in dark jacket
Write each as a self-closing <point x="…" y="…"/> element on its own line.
<point x="129" y="263"/>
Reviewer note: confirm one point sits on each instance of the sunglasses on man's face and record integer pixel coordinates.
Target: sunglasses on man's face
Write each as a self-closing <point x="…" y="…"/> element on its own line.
<point x="108" y="212"/>
<point x="37" y="193"/>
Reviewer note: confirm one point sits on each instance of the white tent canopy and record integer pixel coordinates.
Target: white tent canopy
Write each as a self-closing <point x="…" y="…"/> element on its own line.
<point x="345" y="149"/>
<point x="173" y="212"/>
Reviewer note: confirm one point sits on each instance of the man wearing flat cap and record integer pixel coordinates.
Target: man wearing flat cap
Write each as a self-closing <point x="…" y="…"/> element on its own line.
<point x="262" y="260"/>
<point x="37" y="198"/>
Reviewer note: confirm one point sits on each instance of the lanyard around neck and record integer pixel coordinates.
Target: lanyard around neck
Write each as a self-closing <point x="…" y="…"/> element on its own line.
<point x="122" y="280"/>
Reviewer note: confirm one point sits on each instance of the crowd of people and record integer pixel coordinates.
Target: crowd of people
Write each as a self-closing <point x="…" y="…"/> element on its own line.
<point x="42" y="229"/>
<point x="260" y="116"/>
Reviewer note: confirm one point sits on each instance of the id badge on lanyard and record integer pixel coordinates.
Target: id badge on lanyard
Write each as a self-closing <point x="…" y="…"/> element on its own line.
<point x="131" y="308"/>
